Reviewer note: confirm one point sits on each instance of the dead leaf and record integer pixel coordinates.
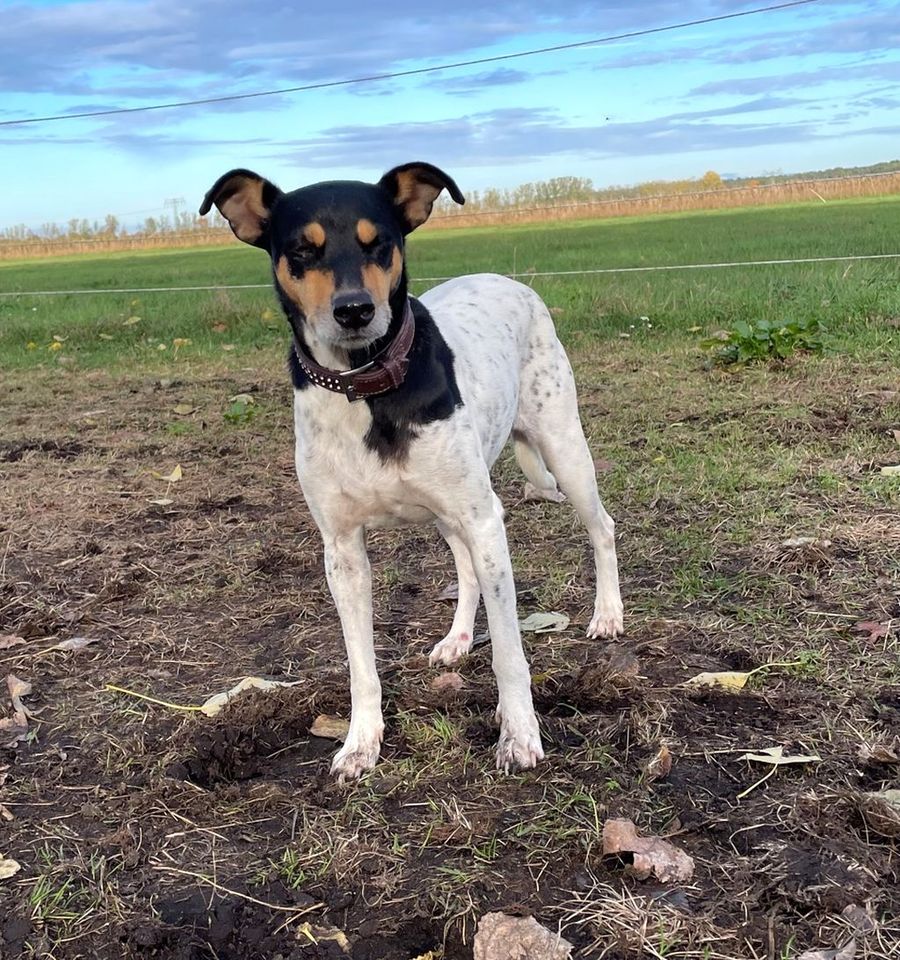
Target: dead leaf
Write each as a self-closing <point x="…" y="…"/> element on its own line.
<point x="161" y="501"/>
<point x="6" y="814"/>
<point x="896" y="434"/>
<point x="330" y="728"/>
<point x="8" y="868"/>
<point x="313" y="936"/>
<point x="651" y="855"/>
<point x="603" y="466"/>
<point x="775" y="755"/>
<point x="447" y="684"/>
<point x="874" y="630"/>
<point x="860" y="919"/>
<point x="8" y="640"/>
<point x="131" y="321"/>
<point x="18" y="689"/>
<point x="776" y="758"/>
<point x="727" y="680"/>
<point x="75" y="643"/>
<point x="660" y="765"/>
<point x="622" y="664"/>
<point x="214" y="704"/>
<point x="245" y="398"/>
<point x="880" y="752"/>
<point x="799" y="542"/>
<point x="450" y="592"/>
<point x="13" y="729"/>
<point x="544" y="623"/>
<point x="892" y="471"/>
<point x="183" y="409"/>
<point x="846" y="952"/>
<point x="881" y="811"/>
<point x="219" y="327"/>
<point x="172" y="477"/>
<point x="501" y="937"/>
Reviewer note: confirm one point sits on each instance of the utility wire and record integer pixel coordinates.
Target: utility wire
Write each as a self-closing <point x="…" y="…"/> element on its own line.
<point x="325" y="84"/>
<point x="525" y="275"/>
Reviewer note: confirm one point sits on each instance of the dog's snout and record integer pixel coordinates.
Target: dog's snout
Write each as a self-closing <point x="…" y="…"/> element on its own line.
<point x="354" y="311"/>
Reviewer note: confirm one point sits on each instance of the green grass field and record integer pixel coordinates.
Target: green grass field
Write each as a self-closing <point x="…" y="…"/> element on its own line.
<point x="851" y="298"/>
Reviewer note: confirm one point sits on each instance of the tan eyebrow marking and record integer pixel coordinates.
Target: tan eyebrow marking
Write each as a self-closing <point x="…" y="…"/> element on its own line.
<point x="366" y="231"/>
<point x="315" y="234"/>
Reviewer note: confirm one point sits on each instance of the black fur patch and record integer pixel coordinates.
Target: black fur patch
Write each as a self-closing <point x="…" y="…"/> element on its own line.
<point x="428" y="393"/>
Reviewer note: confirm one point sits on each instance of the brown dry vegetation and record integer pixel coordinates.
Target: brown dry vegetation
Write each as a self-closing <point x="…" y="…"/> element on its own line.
<point x="144" y="831"/>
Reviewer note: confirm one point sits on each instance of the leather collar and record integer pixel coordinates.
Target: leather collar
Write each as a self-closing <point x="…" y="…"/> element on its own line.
<point x="384" y="372"/>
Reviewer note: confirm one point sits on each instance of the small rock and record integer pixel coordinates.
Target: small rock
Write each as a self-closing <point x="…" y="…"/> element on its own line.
<point x="501" y="937"/>
<point x="330" y="728"/>
<point x="448" y="684"/>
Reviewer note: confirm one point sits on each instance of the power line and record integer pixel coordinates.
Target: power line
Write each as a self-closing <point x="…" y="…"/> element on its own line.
<point x="325" y="84"/>
<point x="524" y="275"/>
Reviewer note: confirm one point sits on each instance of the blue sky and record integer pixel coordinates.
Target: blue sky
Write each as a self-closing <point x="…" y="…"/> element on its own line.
<point x="807" y="88"/>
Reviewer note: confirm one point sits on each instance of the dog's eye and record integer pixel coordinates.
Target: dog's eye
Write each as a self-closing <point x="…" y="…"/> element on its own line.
<point x="303" y="255"/>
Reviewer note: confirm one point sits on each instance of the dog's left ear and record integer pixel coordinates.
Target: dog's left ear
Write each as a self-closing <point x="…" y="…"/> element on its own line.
<point x="414" y="187"/>
<point x="245" y="200"/>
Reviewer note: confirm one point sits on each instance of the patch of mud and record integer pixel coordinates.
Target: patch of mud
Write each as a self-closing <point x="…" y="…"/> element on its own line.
<point x="11" y="451"/>
<point x="258" y="733"/>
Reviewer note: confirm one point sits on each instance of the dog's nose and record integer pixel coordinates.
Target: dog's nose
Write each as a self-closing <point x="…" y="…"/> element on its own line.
<point x="354" y="310"/>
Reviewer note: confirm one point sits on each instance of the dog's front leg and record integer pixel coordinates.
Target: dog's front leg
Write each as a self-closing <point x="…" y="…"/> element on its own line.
<point x="484" y="533"/>
<point x="350" y="582"/>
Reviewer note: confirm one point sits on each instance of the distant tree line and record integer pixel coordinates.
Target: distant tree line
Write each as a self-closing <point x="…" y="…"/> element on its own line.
<point x="543" y="193"/>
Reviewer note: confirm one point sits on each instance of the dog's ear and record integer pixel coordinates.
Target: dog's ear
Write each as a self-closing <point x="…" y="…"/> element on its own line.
<point x="245" y="200"/>
<point x="414" y="187"/>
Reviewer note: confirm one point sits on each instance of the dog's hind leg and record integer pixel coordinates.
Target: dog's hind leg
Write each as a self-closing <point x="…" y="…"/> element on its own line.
<point x="458" y="641"/>
<point x="531" y="463"/>
<point x="548" y="419"/>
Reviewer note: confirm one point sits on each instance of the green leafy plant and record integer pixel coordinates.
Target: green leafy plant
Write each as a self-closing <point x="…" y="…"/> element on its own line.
<point x="760" y="340"/>
<point x="241" y="410"/>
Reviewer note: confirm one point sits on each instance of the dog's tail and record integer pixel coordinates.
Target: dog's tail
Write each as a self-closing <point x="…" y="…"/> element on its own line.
<point x="541" y="482"/>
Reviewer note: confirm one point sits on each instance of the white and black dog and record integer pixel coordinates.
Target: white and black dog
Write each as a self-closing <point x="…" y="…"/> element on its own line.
<point x="442" y="383"/>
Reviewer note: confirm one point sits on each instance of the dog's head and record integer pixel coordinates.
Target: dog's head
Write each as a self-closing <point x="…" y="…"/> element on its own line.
<point x="336" y="247"/>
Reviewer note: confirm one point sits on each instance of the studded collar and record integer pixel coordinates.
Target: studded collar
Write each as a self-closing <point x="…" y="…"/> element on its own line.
<point x="384" y="372"/>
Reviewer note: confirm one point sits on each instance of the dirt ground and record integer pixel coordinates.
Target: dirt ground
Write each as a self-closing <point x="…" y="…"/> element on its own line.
<point x="147" y="831"/>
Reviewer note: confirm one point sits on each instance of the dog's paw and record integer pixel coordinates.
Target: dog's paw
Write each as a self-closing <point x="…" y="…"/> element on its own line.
<point x="519" y="747"/>
<point x="607" y="622"/>
<point x="451" y="649"/>
<point x="357" y="756"/>
<point x="553" y="494"/>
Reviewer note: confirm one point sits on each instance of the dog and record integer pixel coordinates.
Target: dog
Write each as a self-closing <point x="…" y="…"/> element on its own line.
<point x="401" y="407"/>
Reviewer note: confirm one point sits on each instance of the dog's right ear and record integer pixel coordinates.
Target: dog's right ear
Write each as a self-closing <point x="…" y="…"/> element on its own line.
<point x="245" y="200"/>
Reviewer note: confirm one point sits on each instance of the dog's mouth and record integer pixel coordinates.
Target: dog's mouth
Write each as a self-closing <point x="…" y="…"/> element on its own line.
<point x="355" y="341"/>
